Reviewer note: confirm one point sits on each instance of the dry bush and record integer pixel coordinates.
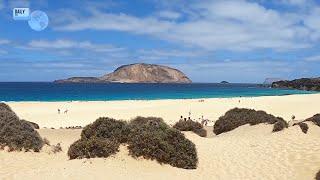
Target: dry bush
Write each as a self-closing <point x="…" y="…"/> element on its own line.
<point x="5" y="107"/>
<point x="92" y="148"/>
<point x="154" y="121"/>
<point x="303" y="126"/>
<point x="106" y="128"/>
<point x="187" y="125"/>
<point x="201" y="132"/>
<point x="237" y="117"/>
<point x="318" y="176"/>
<point x="190" y="125"/>
<point x="279" y="125"/>
<point x="17" y="134"/>
<point x="149" y="137"/>
<point x="34" y="125"/>
<point x="315" y="119"/>
<point x="153" y="139"/>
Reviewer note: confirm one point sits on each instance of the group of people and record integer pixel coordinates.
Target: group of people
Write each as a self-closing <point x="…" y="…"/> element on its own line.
<point x="204" y="122"/>
<point x="64" y="112"/>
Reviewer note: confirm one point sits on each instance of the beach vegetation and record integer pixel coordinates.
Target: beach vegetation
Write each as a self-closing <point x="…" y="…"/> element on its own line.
<point x="106" y="128"/>
<point x="200" y="132"/>
<point x="147" y="137"/>
<point x="315" y="119"/>
<point x="93" y="147"/>
<point x="5" y="107"/>
<point x="17" y="134"/>
<point x="303" y="126"/>
<point x="237" y="117"/>
<point x="158" y="141"/>
<point x="318" y="176"/>
<point x="190" y="125"/>
<point x="34" y="125"/>
<point x="279" y="125"/>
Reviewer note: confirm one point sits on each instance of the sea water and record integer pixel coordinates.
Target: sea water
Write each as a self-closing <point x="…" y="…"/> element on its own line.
<point x="38" y="91"/>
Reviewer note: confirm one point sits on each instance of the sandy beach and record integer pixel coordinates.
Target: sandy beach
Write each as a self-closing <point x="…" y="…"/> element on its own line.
<point x="248" y="152"/>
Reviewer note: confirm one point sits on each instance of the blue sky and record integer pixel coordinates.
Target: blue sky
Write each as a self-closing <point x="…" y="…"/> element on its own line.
<point x="209" y="40"/>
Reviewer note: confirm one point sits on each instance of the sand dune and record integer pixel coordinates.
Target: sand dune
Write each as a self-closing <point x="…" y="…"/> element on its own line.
<point x="245" y="153"/>
<point x="248" y="152"/>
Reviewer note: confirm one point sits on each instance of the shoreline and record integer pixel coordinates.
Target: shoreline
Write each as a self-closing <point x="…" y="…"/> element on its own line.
<point x="81" y="113"/>
<point x="173" y="99"/>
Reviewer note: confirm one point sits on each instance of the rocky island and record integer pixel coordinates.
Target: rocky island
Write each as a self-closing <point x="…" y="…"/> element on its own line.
<point x="307" y="84"/>
<point x="135" y="73"/>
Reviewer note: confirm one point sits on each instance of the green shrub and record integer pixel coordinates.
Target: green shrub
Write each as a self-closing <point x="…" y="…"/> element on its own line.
<point x="237" y="117"/>
<point x="157" y="141"/>
<point x="92" y="148"/>
<point x="190" y="125"/>
<point x="107" y="128"/>
<point x="152" y="121"/>
<point x="5" y="107"/>
<point x="17" y="134"/>
<point x="187" y="125"/>
<point x="315" y="119"/>
<point x="34" y="125"/>
<point x="149" y="137"/>
<point x="303" y="126"/>
<point x="201" y="132"/>
<point x="7" y="116"/>
<point x="280" y="125"/>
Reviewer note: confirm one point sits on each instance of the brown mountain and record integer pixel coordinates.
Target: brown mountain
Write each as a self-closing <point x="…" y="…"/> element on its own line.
<point x="135" y="73"/>
<point x="308" y="84"/>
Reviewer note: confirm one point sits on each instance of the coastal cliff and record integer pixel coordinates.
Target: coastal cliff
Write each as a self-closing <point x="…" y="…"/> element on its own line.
<point x="308" y="84"/>
<point x="135" y="73"/>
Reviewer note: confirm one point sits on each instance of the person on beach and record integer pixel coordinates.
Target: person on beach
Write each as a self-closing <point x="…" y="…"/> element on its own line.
<point x="66" y="111"/>
<point x="58" y="111"/>
<point x="181" y="118"/>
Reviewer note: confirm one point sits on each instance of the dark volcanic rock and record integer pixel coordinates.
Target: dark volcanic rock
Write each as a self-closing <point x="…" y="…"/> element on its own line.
<point x="136" y="73"/>
<point x="224" y="82"/>
<point x="308" y="84"/>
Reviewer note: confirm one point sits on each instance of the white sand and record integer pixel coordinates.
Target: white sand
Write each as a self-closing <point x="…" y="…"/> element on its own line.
<point x="244" y="153"/>
<point x="83" y="113"/>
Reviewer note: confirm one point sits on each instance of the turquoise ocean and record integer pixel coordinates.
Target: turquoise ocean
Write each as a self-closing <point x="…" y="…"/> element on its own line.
<point x="43" y="91"/>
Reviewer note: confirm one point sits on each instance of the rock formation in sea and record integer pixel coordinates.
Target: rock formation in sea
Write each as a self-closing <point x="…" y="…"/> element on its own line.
<point x="269" y="81"/>
<point x="135" y="73"/>
<point x="308" y="84"/>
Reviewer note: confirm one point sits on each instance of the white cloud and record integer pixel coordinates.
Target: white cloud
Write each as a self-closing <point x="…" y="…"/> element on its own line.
<point x="160" y="54"/>
<point x="4" y="41"/>
<point x="3" y="52"/>
<point x="231" y="25"/>
<point x="2" y="4"/>
<point x="168" y="14"/>
<point x="295" y="2"/>
<point x="68" y="44"/>
<point x="313" y="59"/>
<point x="18" y="3"/>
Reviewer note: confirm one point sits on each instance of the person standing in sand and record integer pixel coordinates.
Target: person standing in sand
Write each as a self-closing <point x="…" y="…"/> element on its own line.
<point x="58" y="111"/>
